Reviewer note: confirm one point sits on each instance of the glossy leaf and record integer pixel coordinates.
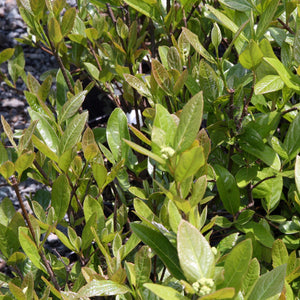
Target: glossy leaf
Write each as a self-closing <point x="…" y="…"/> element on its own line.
<point x="194" y="41"/>
<point x="190" y="161"/>
<point x="251" y="57"/>
<point x="116" y="131"/>
<point x="60" y="196"/>
<point x="292" y="138"/>
<point x="102" y="288"/>
<point x="7" y="169"/>
<point x="195" y="255"/>
<point x="68" y="21"/>
<point x="189" y="124"/>
<point x="161" y="245"/>
<point x="268" y="84"/>
<point x="245" y="175"/>
<point x="297" y="173"/>
<point x="266" y="18"/>
<point x="72" y="106"/>
<point x="24" y="161"/>
<point x="142" y="266"/>
<point x="138" y="84"/>
<point x="228" y="190"/>
<point x="164" y="292"/>
<point x="72" y="134"/>
<point x="161" y="76"/>
<point x="46" y="130"/>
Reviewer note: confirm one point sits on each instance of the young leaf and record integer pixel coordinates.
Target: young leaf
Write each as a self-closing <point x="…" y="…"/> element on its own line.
<point x="251" y="57"/>
<point x="24" y="161"/>
<point x="195" y="255"/>
<point x="189" y="124"/>
<point x="68" y="21"/>
<point x="297" y="173"/>
<point x="269" y="284"/>
<point x="6" y="54"/>
<point x="8" y="131"/>
<point x="102" y="288"/>
<point x="54" y="31"/>
<point x="292" y="138"/>
<point x="46" y="130"/>
<point x="268" y="84"/>
<point x="164" y="292"/>
<point x="228" y="190"/>
<point x="161" y="245"/>
<point x="194" y="41"/>
<point x="161" y="76"/>
<point x="190" y="161"/>
<point x="138" y="84"/>
<point x="7" y="169"/>
<point x="72" y="134"/>
<point x="72" y="106"/>
<point x="60" y="197"/>
<point x="142" y="266"/>
<point x="280" y="254"/>
<point x="116" y="131"/>
<point x="266" y="18"/>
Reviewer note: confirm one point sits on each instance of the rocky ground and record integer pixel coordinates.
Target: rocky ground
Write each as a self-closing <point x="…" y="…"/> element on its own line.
<point x="13" y="106"/>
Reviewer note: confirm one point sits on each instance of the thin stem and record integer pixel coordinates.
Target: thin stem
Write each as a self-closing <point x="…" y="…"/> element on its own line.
<point x="26" y="217"/>
<point x="44" y="174"/>
<point x="285" y="26"/>
<point x="261" y="181"/>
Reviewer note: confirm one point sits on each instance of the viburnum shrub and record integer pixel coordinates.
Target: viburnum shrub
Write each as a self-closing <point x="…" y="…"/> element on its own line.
<point x="199" y="197"/>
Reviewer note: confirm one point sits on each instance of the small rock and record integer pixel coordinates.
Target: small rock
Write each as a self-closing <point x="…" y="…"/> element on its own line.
<point x="12" y="103"/>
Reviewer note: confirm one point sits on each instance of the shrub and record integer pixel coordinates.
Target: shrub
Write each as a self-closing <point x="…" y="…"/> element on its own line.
<point x="205" y="184"/>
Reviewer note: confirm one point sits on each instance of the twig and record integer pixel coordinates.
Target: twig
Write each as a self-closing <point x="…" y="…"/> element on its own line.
<point x="261" y="181"/>
<point x="26" y="217"/>
<point x="44" y="174"/>
<point x="285" y="26"/>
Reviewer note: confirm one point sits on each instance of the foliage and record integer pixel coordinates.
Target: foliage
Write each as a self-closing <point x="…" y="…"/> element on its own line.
<point x="205" y="185"/>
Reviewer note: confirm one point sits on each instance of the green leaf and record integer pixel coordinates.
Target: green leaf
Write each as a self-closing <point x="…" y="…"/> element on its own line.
<point x="236" y="265"/>
<point x="280" y="254"/>
<point x="286" y="76"/>
<point x="142" y="266"/>
<point x="17" y="292"/>
<point x="174" y="216"/>
<point x="122" y="29"/>
<point x="174" y="60"/>
<point x="297" y="173"/>
<point x="7" y="169"/>
<point x="8" y="131"/>
<point x="46" y="130"/>
<point x="54" y="31"/>
<point x="194" y="41"/>
<point x="245" y="175"/>
<point x="30" y="248"/>
<point x="138" y="84"/>
<point x="68" y="21"/>
<point x="143" y="210"/>
<point x="228" y="190"/>
<point x="60" y="196"/>
<point x="251" y="57"/>
<point x="199" y="188"/>
<point x="240" y="5"/>
<point x="102" y="288"/>
<point x="251" y="276"/>
<point x="267" y="155"/>
<point x="100" y="174"/>
<point x="164" y="292"/>
<point x="268" y="84"/>
<point x="24" y="161"/>
<point x="6" y="54"/>
<point x="3" y="154"/>
<point x="216" y="35"/>
<point x="266" y="18"/>
<point x="149" y="9"/>
<point x="229" y="24"/>
<point x="146" y="152"/>
<point x="292" y="138"/>
<point x="189" y="124"/>
<point x="226" y="293"/>
<point x="7" y="211"/>
<point x="261" y="234"/>
<point x="72" y="134"/>
<point x="161" y="245"/>
<point x="72" y="106"/>
<point x="116" y="131"/>
<point x="43" y="148"/>
<point x="195" y="255"/>
<point x="161" y="76"/>
<point x="190" y="161"/>
<point x="269" y="284"/>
